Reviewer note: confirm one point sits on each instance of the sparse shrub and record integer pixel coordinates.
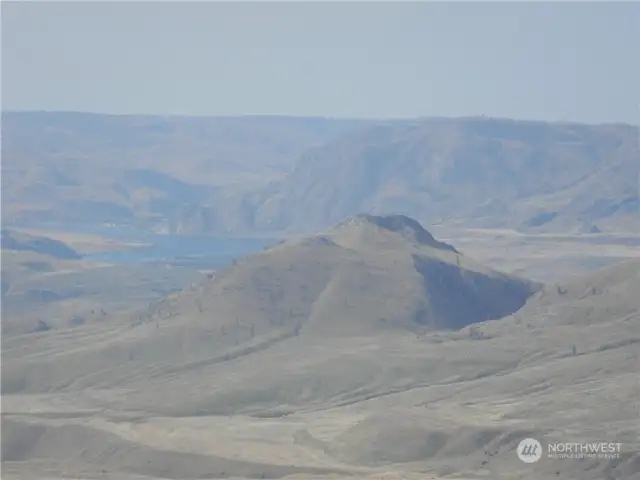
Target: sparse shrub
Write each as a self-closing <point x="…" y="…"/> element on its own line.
<point x="42" y="326"/>
<point x="76" y="320"/>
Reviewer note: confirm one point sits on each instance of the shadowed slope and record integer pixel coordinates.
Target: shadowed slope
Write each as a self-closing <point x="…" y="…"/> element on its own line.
<point x="372" y="277"/>
<point x="193" y="395"/>
<point x="366" y="273"/>
<point x="489" y="172"/>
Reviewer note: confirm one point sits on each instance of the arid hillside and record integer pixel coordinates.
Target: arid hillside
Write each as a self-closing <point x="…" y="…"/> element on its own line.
<point x="370" y="350"/>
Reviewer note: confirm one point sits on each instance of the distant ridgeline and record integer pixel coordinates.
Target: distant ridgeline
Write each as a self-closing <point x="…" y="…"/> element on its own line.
<point x="12" y="240"/>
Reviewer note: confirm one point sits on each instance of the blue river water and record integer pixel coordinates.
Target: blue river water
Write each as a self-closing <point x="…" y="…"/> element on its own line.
<point x="185" y="250"/>
<point x="174" y="247"/>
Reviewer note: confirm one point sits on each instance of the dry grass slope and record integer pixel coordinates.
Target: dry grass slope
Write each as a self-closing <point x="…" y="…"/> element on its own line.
<point x="310" y="360"/>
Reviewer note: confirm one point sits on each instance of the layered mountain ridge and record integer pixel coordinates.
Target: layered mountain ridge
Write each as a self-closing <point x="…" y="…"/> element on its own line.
<point x="257" y="175"/>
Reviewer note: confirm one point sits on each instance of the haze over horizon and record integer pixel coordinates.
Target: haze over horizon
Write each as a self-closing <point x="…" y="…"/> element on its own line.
<point x="537" y="61"/>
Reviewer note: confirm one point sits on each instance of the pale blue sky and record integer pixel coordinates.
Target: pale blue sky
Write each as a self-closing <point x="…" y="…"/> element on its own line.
<point x="553" y="61"/>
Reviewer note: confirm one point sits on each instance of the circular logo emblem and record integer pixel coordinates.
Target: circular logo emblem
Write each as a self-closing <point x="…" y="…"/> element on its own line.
<point x="529" y="450"/>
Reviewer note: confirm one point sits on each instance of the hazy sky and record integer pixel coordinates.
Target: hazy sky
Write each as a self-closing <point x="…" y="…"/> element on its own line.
<point x="554" y="61"/>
